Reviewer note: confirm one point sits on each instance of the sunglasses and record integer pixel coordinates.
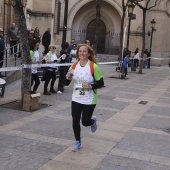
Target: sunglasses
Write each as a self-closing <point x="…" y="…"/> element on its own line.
<point x="54" y="48"/>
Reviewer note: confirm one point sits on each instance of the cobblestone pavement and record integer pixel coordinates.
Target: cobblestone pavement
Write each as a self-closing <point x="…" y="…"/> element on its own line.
<point x="130" y="136"/>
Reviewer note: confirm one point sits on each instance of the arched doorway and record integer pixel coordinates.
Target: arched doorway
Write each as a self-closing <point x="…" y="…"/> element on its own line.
<point x="90" y="34"/>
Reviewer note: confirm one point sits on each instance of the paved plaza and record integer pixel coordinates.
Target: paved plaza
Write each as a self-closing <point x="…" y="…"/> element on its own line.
<point x="130" y="135"/>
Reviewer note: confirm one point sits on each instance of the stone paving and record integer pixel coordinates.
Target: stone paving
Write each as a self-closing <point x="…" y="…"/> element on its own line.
<point x="130" y="136"/>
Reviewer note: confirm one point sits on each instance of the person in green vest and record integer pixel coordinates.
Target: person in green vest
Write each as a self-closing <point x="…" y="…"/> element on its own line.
<point x="35" y="57"/>
<point x="50" y="72"/>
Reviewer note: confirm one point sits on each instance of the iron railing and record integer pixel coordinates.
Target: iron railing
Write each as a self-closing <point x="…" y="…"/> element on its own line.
<point x="108" y="43"/>
<point x="8" y="56"/>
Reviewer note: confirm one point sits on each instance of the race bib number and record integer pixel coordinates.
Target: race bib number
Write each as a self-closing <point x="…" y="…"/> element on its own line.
<point x="81" y="92"/>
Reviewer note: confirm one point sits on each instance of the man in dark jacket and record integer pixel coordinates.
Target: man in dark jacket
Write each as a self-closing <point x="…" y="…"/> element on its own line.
<point x="70" y="46"/>
<point x="2" y="48"/>
<point x="46" y="40"/>
<point x="13" y="37"/>
<point x="63" y="69"/>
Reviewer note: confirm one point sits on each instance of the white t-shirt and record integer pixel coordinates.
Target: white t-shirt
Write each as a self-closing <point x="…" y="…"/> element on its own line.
<point x="82" y="74"/>
<point x="136" y="56"/>
<point x="73" y="54"/>
<point x="54" y="57"/>
<point x="35" y="59"/>
<point x="51" y="57"/>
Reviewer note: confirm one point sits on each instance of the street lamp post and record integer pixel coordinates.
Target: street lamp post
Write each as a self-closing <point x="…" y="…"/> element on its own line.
<point x="64" y="28"/>
<point x="153" y="29"/>
<point x="62" y="70"/>
<point x="131" y="7"/>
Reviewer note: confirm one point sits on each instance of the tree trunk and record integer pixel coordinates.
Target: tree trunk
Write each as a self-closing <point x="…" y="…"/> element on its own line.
<point x="23" y="39"/>
<point x="143" y="41"/>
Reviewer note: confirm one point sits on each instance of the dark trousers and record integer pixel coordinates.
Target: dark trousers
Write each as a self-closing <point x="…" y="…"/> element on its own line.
<point x="49" y="75"/>
<point x="125" y="71"/>
<point x="62" y="75"/>
<point x="136" y="63"/>
<point x="1" y="60"/>
<point x="13" y="47"/>
<point x="35" y="78"/>
<point x="46" y="49"/>
<point x="149" y="61"/>
<point x="81" y="111"/>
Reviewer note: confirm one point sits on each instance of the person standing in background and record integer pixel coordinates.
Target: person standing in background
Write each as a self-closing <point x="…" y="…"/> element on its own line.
<point x="31" y="37"/>
<point x="35" y="57"/>
<point x="87" y="42"/>
<point x="46" y="40"/>
<point x="62" y="69"/>
<point x="2" y="48"/>
<point x="145" y="56"/>
<point x="37" y="36"/>
<point x="136" y="58"/>
<point x="70" y="46"/>
<point x="49" y="73"/>
<point x="73" y="53"/>
<point x="125" y="63"/>
<point x="13" y="38"/>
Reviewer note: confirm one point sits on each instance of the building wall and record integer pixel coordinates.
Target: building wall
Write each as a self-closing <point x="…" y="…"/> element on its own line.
<point x="39" y="14"/>
<point x="161" y="37"/>
<point x="1" y="13"/>
<point x="80" y="12"/>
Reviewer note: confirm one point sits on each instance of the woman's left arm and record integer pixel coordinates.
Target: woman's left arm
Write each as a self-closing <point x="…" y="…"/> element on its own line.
<point x="98" y="84"/>
<point x="98" y="77"/>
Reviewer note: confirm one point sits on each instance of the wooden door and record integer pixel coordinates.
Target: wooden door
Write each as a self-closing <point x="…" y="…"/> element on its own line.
<point x="90" y="34"/>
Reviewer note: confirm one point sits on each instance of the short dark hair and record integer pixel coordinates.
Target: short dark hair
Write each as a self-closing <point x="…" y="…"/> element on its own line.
<point x="127" y="53"/>
<point x="87" y="40"/>
<point x="66" y="45"/>
<point x="34" y="42"/>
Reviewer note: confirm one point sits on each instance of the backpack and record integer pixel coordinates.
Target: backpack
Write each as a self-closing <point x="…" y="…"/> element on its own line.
<point x="91" y="67"/>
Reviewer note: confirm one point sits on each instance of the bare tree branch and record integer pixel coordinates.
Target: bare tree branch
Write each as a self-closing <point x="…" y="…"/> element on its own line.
<point x="138" y="4"/>
<point x="153" y="5"/>
<point x="147" y="4"/>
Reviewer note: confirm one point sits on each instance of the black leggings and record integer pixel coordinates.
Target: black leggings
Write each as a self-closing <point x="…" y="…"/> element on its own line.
<point x="35" y="78"/>
<point x="49" y="75"/>
<point x="78" y="110"/>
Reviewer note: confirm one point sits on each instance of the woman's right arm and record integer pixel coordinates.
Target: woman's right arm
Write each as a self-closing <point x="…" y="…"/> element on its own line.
<point x="68" y="77"/>
<point x="67" y="82"/>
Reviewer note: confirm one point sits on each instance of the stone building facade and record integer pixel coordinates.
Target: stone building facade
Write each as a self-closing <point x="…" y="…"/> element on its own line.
<point x="81" y="23"/>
